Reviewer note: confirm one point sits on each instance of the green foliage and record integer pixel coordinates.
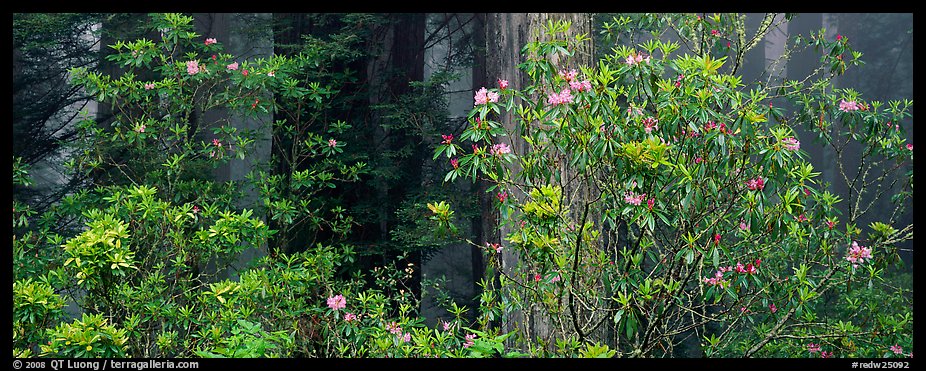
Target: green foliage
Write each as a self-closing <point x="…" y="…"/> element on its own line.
<point x="90" y="337"/>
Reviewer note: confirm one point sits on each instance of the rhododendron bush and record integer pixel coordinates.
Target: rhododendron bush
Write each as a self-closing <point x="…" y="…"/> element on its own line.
<point x="654" y="200"/>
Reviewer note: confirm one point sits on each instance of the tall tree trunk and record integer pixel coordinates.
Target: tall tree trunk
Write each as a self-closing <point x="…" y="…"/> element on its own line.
<point x="505" y="35"/>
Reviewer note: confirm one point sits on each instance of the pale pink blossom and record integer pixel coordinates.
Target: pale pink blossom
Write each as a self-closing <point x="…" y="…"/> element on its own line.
<point x="271" y="74"/>
<point x="897" y="349"/>
<point x="848" y="106"/>
<point x="232" y="66"/>
<point x="149" y="86"/>
<point x="650" y="124"/>
<point x="494" y="246"/>
<point x="216" y="142"/>
<point x="337" y="302"/>
<point x="555" y="279"/>
<point x="634" y="199"/>
<point x="211" y="41"/>
<point x="744" y="226"/>
<point x="407" y="337"/>
<point x="857" y="254"/>
<point x="502" y="84"/>
<point x="569" y="75"/>
<point x="192" y="67"/>
<point x="500" y="149"/>
<point x="791" y="144"/>
<point x="469" y="340"/>
<point x="350" y="317"/>
<point x="813" y="348"/>
<point x="483" y="96"/>
<point x="394" y="328"/>
<point x="332" y="143"/>
<point x="140" y="128"/>
<point x="563" y="97"/>
<point x="447" y="326"/>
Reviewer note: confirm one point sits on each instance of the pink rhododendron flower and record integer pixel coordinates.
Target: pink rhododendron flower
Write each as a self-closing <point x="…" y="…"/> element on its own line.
<point x="469" y="340"/>
<point x="500" y="149"/>
<point x="244" y="72"/>
<point x="455" y="163"/>
<point x="750" y="269"/>
<point x="772" y="308"/>
<point x="830" y="224"/>
<point x="447" y="326"/>
<point x="192" y="67"/>
<point x="502" y="84"/>
<point x="848" y="106"/>
<point x="699" y="160"/>
<point x="563" y="97"/>
<point x="337" y="302"/>
<point x="570" y="75"/>
<point x="232" y="66"/>
<point x="743" y="226"/>
<point x="216" y="142"/>
<point x="802" y="218"/>
<point x="813" y="348"/>
<point x="838" y="37"/>
<point x="406" y="337"/>
<point x="149" y="86"/>
<point x="896" y="349"/>
<point x="211" y="41"/>
<point x="791" y="144"/>
<point x="634" y="199"/>
<point x="537" y="277"/>
<point x="494" y="246"/>
<point x="710" y="126"/>
<point x="717" y="280"/>
<point x="857" y="254"/>
<point x="651" y="203"/>
<point x="755" y="184"/>
<point x="271" y="74"/>
<point x="717" y="239"/>
<point x="483" y="96"/>
<point x="195" y="209"/>
<point x="715" y="33"/>
<point x="649" y="124"/>
<point x="141" y="128"/>
<point x="555" y="279"/>
<point x="910" y="146"/>
<point x="447" y="138"/>
<point x="502" y="196"/>
<point x="332" y="143"/>
<point x="740" y="268"/>
<point x="393" y="328"/>
<point x="349" y="317"/>
<point x="825" y="354"/>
